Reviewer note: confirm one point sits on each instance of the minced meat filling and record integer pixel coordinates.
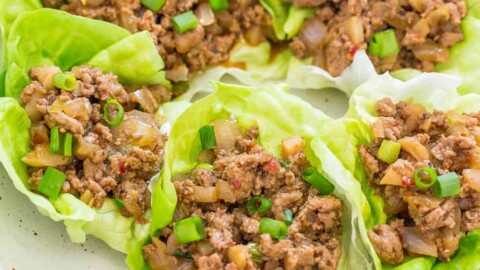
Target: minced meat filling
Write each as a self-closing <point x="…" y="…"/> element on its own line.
<point x="422" y="222"/>
<point x="425" y="30"/>
<point x="107" y="161"/>
<point x="193" y="50"/>
<point x="220" y="196"/>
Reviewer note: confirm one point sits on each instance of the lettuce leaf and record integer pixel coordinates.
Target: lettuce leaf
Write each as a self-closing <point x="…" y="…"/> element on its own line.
<point x="52" y="37"/>
<point x="278" y="115"/>
<point x="464" y="57"/>
<point x="434" y="91"/>
<point x="307" y="76"/>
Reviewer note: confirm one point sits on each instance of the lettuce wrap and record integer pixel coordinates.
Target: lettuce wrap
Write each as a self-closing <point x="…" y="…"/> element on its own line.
<point x="45" y="37"/>
<point x="278" y="115"/>
<point x="435" y="92"/>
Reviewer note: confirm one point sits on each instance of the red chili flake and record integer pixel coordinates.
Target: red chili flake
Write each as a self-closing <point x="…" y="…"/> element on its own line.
<point x="236" y="183"/>
<point x="272" y="166"/>
<point x="353" y="51"/>
<point x="407" y="182"/>
<point x="121" y="170"/>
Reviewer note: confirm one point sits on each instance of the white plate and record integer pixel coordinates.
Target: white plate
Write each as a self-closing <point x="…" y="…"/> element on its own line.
<point x="32" y="241"/>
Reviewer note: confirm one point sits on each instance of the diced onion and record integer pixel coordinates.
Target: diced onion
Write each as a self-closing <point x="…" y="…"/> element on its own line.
<point x="205" y="194"/>
<point x="292" y="146"/>
<point x="416" y="243"/>
<point x="205" y="14"/>
<point x="431" y="51"/>
<point x="472" y="177"/>
<point x="226" y="133"/>
<point x="354" y="27"/>
<point x="41" y="157"/>
<point x="313" y="33"/>
<point x="238" y="256"/>
<point x="413" y="146"/>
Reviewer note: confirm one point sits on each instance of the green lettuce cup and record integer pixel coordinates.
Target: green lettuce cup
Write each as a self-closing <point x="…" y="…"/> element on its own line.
<point x="278" y="116"/>
<point x="399" y="144"/>
<point x="36" y="37"/>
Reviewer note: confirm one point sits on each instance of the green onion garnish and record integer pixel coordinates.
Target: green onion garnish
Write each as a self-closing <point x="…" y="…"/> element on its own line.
<point x="425" y="177"/>
<point x="64" y="81"/>
<point x="184" y="22"/>
<point x="384" y="44"/>
<point x="318" y="181"/>
<point x="189" y="230"/>
<point x="67" y="145"/>
<point x="179" y="253"/>
<point x="256" y="254"/>
<point x="447" y="185"/>
<point x="54" y="140"/>
<point x="153" y="5"/>
<point x="288" y="216"/>
<point x="218" y="5"/>
<point x="115" y="122"/>
<point x="207" y="137"/>
<point x="276" y="229"/>
<point x="259" y="204"/>
<point x="51" y="182"/>
<point x="389" y="151"/>
<point x="119" y="203"/>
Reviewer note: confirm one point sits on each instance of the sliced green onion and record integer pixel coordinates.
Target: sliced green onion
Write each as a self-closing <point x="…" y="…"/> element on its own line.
<point x="425" y="177"/>
<point x="276" y="229"/>
<point x="259" y="204"/>
<point x="447" y="185"/>
<point x="189" y="230"/>
<point x="180" y="87"/>
<point x="64" y="81"/>
<point x="318" y="181"/>
<point x="218" y="5"/>
<point x="51" y="182"/>
<point x="207" y="137"/>
<point x="119" y="202"/>
<point x="384" y="44"/>
<point x="115" y="122"/>
<point x="153" y="5"/>
<point x="67" y="145"/>
<point x="389" y="151"/>
<point x="54" y="140"/>
<point x="288" y="216"/>
<point x="256" y="254"/>
<point x="184" y="22"/>
<point x="179" y="253"/>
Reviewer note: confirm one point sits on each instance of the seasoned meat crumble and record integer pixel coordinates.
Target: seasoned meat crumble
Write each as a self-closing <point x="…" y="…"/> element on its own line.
<point x="421" y="221"/>
<point x="232" y="236"/>
<point x="106" y="161"/>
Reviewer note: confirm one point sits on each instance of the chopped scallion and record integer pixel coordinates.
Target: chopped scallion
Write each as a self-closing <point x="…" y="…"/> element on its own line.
<point x="318" y="181"/>
<point x="117" y="120"/>
<point x="259" y="204"/>
<point x="64" y="81"/>
<point x="218" y="5"/>
<point x="185" y="22"/>
<point x="54" y="140"/>
<point x="256" y="254"/>
<point x="67" y="145"/>
<point x="276" y="229"/>
<point x="153" y="5"/>
<point x="384" y="44"/>
<point x="207" y="137"/>
<point x="51" y="182"/>
<point x="389" y="151"/>
<point x="425" y="177"/>
<point x="447" y="185"/>
<point x="288" y="216"/>
<point x="189" y="230"/>
<point x="119" y="202"/>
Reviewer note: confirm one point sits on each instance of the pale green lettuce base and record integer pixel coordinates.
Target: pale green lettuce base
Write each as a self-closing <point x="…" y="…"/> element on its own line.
<point x="278" y="115"/>
<point x="434" y="91"/>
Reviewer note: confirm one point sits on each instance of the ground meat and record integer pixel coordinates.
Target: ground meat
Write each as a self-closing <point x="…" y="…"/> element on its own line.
<point x="443" y="141"/>
<point x="238" y="174"/>
<point x="185" y="53"/>
<point x="420" y="29"/>
<point x="107" y="161"/>
<point x="387" y="244"/>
